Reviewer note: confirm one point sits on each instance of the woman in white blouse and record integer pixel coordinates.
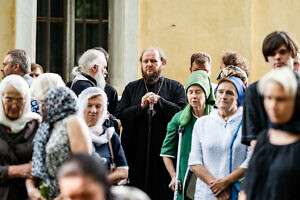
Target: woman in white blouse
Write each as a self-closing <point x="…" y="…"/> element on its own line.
<point x="217" y="156"/>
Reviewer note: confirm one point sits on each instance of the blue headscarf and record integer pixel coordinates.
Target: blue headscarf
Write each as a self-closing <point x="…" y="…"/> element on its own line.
<point x="239" y="86"/>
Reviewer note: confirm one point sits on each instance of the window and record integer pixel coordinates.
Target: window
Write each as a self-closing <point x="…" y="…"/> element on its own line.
<point x="55" y="31"/>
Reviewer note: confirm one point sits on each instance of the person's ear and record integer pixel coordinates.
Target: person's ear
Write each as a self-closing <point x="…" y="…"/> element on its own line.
<point x="95" y="68"/>
<point x="16" y="67"/>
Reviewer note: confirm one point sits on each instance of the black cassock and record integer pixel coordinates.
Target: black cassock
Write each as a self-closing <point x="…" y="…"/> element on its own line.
<point x="134" y="138"/>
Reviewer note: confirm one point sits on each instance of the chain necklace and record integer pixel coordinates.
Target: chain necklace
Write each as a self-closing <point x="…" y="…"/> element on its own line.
<point x="163" y="78"/>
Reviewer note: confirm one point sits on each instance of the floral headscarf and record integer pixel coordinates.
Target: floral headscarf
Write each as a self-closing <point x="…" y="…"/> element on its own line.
<point x="58" y="103"/>
<point x="233" y="71"/>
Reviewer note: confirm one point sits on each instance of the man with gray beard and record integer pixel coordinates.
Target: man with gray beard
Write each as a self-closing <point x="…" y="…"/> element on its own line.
<point x="167" y="97"/>
<point x="90" y="71"/>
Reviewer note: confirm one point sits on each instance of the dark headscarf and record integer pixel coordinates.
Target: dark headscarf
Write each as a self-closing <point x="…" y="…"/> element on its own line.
<point x="293" y="125"/>
<point x="58" y="103"/>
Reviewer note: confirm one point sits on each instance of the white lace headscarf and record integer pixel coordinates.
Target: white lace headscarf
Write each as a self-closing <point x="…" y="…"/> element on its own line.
<point x="43" y="83"/>
<point x="82" y="103"/>
<point x="21" y="86"/>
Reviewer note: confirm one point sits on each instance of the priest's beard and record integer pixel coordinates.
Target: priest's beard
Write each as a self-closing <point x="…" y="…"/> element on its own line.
<point x="151" y="78"/>
<point x="100" y="80"/>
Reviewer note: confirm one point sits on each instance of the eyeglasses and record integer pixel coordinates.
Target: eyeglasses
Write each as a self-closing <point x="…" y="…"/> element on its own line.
<point x="11" y="100"/>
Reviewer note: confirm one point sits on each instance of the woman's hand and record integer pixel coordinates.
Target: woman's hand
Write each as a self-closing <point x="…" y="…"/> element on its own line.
<point x="217" y="186"/>
<point x="35" y="194"/>
<point x="172" y="184"/>
<point x="223" y="195"/>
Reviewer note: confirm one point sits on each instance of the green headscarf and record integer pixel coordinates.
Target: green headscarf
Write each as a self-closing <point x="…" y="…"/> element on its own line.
<point x="200" y="78"/>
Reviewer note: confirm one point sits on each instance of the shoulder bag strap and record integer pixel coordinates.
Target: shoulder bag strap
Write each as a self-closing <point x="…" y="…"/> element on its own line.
<point x="110" y="148"/>
<point x="231" y="145"/>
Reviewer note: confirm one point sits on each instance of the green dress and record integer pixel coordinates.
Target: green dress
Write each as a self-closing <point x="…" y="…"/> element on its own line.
<point x="170" y="144"/>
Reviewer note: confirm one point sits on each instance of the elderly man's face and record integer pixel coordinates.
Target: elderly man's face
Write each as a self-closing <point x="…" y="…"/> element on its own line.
<point x="7" y="69"/>
<point x="93" y="110"/>
<point x="13" y="103"/>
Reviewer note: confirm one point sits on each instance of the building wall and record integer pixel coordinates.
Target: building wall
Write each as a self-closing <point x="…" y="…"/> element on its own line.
<point x="181" y="28"/>
<point x="7" y="24"/>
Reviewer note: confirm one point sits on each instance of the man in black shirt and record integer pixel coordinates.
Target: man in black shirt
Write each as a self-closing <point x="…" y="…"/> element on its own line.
<point x="279" y="49"/>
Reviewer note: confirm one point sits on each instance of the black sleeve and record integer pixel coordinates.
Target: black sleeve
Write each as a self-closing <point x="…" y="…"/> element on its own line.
<point x="254" y="115"/>
<point x="125" y="110"/>
<point x="80" y="85"/>
<point x="112" y="96"/>
<point x="178" y="101"/>
<point x="3" y="174"/>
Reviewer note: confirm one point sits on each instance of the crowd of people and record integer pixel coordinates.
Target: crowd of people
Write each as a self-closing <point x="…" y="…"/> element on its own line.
<point x="161" y="140"/>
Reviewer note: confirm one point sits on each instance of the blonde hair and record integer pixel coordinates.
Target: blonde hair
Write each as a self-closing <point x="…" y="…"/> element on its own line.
<point x="284" y="76"/>
<point x="43" y="83"/>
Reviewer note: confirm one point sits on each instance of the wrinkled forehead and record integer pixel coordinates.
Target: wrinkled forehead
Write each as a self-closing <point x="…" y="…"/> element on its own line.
<point x="12" y="91"/>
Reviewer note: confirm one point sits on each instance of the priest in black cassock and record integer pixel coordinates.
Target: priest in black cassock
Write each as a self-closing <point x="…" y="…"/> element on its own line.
<point x="168" y="98"/>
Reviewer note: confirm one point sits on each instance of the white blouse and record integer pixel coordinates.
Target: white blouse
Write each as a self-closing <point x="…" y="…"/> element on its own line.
<point x="211" y="140"/>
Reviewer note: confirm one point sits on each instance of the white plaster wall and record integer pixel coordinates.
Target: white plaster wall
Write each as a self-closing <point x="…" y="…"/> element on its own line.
<point x="26" y="13"/>
<point x="123" y="42"/>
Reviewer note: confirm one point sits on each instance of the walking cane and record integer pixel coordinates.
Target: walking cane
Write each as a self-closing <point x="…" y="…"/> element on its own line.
<point x="180" y="133"/>
<point x="150" y="112"/>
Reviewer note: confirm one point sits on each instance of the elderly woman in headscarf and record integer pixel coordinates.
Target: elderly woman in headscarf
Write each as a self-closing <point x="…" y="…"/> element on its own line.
<point x="274" y="169"/>
<point x="60" y="135"/>
<point x="40" y="86"/>
<point x="201" y="100"/>
<point x="18" y="126"/>
<point x="92" y="104"/>
<point x="217" y="156"/>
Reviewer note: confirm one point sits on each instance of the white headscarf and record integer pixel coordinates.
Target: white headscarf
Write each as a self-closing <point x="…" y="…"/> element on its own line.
<point x="82" y="103"/>
<point x="21" y="86"/>
<point x="43" y="83"/>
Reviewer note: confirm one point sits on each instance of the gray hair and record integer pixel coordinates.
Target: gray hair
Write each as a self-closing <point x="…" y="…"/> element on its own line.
<point x="284" y="76"/>
<point x="20" y="56"/>
<point x="88" y="59"/>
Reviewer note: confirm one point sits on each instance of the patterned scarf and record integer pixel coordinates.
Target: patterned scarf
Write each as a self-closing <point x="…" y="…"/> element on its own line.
<point x="58" y="103"/>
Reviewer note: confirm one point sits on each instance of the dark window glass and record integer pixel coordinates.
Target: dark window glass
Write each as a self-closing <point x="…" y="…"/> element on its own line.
<point x="42" y="8"/>
<point x="41" y="44"/>
<point x="91" y="35"/>
<point x="57" y="7"/>
<point x="78" y="43"/>
<point x="56" y="42"/>
<point x="91" y="30"/>
<point x="92" y="9"/>
<point x="79" y="9"/>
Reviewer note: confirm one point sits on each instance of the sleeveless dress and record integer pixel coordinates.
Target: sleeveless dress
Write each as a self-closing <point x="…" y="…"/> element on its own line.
<point x="57" y="151"/>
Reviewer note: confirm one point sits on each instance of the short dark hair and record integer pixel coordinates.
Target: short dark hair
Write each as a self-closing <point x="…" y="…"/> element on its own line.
<point x="34" y="66"/>
<point x="277" y="38"/>
<point x="19" y="56"/>
<point x="83" y="164"/>
<point x="233" y="58"/>
<point x="103" y="51"/>
<point x="200" y="58"/>
<point x="160" y="52"/>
